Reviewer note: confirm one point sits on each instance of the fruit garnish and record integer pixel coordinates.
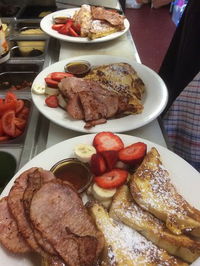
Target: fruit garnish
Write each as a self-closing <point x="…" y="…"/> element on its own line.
<point x="111" y="158"/>
<point x="133" y="154"/>
<point x="52" y="101"/>
<point x="112" y="179"/>
<point x="98" y="164"/>
<point x="84" y="152"/>
<point x="107" y="141"/>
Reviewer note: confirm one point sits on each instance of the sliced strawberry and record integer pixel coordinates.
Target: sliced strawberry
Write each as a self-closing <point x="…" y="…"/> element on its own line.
<point x="107" y="141"/>
<point x="58" y="76"/>
<point x="57" y="27"/>
<point x="112" y="179"/>
<point x="51" y="83"/>
<point x="134" y="153"/>
<point x="97" y="163"/>
<point x="111" y="158"/>
<point x="72" y="32"/>
<point x="52" y="101"/>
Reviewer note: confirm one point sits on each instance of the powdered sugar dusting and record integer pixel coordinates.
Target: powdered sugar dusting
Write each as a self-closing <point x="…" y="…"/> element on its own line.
<point x="162" y="193"/>
<point x="128" y="247"/>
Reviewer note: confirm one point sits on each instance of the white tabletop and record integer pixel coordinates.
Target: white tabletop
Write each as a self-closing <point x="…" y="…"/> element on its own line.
<point x="123" y="46"/>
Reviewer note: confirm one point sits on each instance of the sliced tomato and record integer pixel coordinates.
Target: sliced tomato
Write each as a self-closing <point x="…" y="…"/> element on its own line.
<point x="20" y="123"/>
<point x="51" y="83"/>
<point x="4" y="138"/>
<point x="57" y="27"/>
<point x="52" y="101"/>
<point x="10" y="97"/>
<point x="18" y="132"/>
<point x="23" y="114"/>
<point x="8" y="123"/>
<point x="19" y="105"/>
<point x="1" y="128"/>
<point x="57" y="76"/>
<point x="4" y="107"/>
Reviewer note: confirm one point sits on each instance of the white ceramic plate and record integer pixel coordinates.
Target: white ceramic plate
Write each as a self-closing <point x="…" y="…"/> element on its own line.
<point x="184" y="177"/>
<point x="154" y="100"/>
<point x="47" y="22"/>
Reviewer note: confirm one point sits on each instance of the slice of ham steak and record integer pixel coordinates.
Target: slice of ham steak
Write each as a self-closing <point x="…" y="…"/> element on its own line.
<point x="58" y="213"/>
<point x="16" y="206"/>
<point x="34" y="183"/>
<point x="10" y="236"/>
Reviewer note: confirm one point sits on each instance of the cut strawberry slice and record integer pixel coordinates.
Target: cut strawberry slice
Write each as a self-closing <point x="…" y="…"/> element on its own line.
<point x="97" y="163"/>
<point x="52" y="101"/>
<point x="112" y="179"/>
<point x="107" y="141"/>
<point x="111" y="158"/>
<point x="58" y="76"/>
<point x="134" y="153"/>
<point x="51" y="83"/>
<point x="57" y="27"/>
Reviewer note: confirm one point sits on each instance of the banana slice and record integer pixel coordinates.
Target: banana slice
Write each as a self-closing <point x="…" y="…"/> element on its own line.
<point x="83" y="152"/>
<point x="102" y="194"/>
<point x="51" y="91"/>
<point x="38" y="89"/>
<point x="61" y="101"/>
<point x="106" y="203"/>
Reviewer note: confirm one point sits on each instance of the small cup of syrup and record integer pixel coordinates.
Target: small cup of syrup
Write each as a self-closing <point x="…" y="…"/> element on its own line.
<point x="78" y="68"/>
<point x="74" y="172"/>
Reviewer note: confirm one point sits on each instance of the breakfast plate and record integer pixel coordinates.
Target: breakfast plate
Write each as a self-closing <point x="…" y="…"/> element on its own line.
<point x="47" y="22"/>
<point x="154" y="99"/>
<point x="183" y="176"/>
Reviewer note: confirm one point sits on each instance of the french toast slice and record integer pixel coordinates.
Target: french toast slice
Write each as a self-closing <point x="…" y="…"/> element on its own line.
<point x="83" y="18"/>
<point x="126" y="210"/>
<point x="152" y="189"/>
<point x="100" y="29"/>
<point x="121" y="78"/>
<point x="126" y="247"/>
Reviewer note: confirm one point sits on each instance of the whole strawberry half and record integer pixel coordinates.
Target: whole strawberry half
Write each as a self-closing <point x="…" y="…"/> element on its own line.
<point x="98" y="164"/>
<point x="107" y="141"/>
<point x="112" y="179"/>
<point x="133" y="154"/>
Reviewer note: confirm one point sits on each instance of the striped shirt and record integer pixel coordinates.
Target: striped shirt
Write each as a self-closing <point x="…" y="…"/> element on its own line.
<point x="182" y="123"/>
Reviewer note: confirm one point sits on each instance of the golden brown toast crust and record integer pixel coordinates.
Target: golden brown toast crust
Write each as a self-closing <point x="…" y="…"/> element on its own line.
<point x="124" y="246"/>
<point x="121" y="78"/>
<point x="152" y="189"/>
<point x="125" y="209"/>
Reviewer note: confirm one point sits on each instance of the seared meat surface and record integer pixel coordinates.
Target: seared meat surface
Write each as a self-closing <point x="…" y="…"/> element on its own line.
<point x="113" y="18"/>
<point x="45" y="215"/>
<point x="88" y="100"/>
